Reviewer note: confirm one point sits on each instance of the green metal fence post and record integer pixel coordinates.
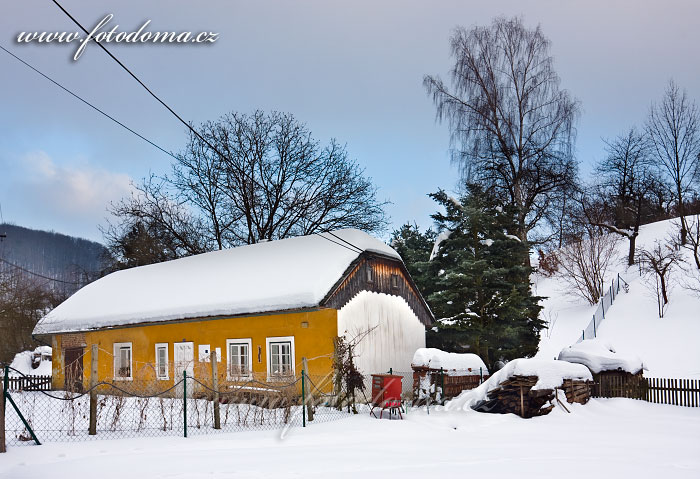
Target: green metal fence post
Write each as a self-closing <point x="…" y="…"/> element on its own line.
<point x="184" y="398"/>
<point x="5" y="385"/>
<point x="303" y="401"/>
<point x="6" y="395"/>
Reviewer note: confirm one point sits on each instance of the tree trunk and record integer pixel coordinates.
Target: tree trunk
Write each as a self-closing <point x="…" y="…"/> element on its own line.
<point x="663" y="289"/>
<point x="633" y="242"/>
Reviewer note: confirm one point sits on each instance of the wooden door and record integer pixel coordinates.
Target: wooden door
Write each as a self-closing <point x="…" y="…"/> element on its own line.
<point x="74" y="369"/>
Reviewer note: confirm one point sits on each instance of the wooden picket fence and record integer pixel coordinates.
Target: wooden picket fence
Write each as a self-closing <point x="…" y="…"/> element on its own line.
<point x="677" y="392"/>
<point x="29" y="383"/>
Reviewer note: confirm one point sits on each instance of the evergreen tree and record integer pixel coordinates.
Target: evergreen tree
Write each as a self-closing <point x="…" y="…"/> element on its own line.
<point x="481" y="281"/>
<point x="414" y="248"/>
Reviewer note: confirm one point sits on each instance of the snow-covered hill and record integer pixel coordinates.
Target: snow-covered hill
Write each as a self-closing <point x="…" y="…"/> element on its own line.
<point x="668" y="346"/>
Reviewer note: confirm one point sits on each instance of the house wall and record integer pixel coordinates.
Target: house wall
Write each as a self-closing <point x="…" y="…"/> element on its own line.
<point x="390" y="331"/>
<point x="313" y="333"/>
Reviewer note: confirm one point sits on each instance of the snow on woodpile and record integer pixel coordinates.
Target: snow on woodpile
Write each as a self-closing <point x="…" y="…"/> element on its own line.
<point x="434" y="358"/>
<point x="599" y="355"/>
<point x="550" y="374"/>
<point x="32" y="363"/>
<point x="271" y="276"/>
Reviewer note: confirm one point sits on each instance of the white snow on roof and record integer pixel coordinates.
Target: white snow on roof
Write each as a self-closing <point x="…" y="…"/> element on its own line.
<point x="550" y="374"/>
<point x="272" y="276"/>
<point x="599" y="355"/>
<point x="436" y="358"/>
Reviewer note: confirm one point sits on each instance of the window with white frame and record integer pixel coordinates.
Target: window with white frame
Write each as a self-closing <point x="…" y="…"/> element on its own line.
<point x="280" y="357"/>
<point x="122" y="361"/>
<point x="162" y="361"/>
<point x="238" y="358"/>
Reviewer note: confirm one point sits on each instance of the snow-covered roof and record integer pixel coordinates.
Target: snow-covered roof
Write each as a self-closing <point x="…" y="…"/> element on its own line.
<point x="436" y="358"/>
<point x="273" y="276"/>
<point x="550" y="374"/>
<point x="599" y="355"/>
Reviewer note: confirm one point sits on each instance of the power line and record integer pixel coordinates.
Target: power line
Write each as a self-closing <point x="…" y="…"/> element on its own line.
<point x="360" y="250"/>
<point x="335" y="242"/>
<point x="87" y="102"/>
<point x="139" y="81"/>
<point x="76" y="283"/>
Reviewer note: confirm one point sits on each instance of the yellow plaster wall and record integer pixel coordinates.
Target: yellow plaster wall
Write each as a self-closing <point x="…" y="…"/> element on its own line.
<point x="315" y="342"/>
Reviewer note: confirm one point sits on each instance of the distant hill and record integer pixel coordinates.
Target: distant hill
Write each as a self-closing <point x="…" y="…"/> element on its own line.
<point x="73" y="261"/>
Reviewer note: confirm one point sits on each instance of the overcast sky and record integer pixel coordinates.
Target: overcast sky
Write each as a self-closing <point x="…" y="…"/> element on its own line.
<point x="350" y="70"/>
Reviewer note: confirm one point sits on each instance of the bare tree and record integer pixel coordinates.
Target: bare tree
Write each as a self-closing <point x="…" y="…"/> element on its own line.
<point x="584" y="264"/>
<point x="23" y="301"/>
<point x="673" y="127"/>
<point x="659" y="262"/>
<point x="693" y="243"/>
<point x="626" y="181"/>
<point x="256" y="177"/>
<point x="153" y="225"/>
<point x="512" y="124"/>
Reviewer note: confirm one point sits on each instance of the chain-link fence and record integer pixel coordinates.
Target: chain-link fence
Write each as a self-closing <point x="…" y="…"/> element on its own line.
<point x="198" y="399"/>
<point x="192" y="404"/>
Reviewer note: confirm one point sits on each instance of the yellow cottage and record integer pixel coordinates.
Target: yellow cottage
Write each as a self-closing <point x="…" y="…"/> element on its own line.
<point x="261" y="308"/>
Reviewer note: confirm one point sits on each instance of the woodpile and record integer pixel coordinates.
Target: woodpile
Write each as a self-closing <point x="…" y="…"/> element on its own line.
<point x="515" y="395"/>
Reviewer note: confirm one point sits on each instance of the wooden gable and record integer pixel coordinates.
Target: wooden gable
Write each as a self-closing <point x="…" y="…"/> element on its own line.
<point x="380" y="274"/>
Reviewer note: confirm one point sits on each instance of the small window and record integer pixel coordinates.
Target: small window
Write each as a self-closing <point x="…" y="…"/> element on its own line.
<point x="370" y="274"/>
<point x="122" y="361"/>
<point x="162" y="361"/>
<point x="394" y="280"/>
<point x="280" y="353"/>
<point x="238" y="358"/>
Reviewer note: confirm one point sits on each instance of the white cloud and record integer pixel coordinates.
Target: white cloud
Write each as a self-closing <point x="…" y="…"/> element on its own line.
<point x="80" y="190"/>
<point x="71" y="198"/>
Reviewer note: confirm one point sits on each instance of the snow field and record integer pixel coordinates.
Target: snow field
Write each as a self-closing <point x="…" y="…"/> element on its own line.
<point x="606" y="438"/>
<point x="667" y="346"/>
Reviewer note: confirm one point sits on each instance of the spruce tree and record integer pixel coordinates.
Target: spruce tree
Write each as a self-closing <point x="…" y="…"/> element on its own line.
<point x="481" y="281"/>
<point x="414" y="248"/>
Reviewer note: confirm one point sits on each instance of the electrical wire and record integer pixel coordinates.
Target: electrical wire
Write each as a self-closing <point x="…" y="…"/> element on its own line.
<point x="76" y="283"/>
<point x="360" y="250"/>
<point x="195" y="132"/>
<point x="88" y="103"/>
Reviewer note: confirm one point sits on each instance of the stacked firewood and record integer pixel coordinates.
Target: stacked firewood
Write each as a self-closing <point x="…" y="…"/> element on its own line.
<point x="577" y="391"/>
<point x="515" y="395"/>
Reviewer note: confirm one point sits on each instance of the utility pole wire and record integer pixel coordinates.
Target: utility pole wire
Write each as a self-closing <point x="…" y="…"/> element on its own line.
<point x="87" y="103"/>
<point x="76" y="283"/>
<point x="139" y="81"/>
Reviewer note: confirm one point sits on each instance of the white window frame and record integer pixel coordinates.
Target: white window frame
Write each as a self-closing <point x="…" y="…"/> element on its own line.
<point x="268" y="351"/>
<point x="167" y="369"/>
<point x="116" y="348"/>
<point x="248" y="342"/>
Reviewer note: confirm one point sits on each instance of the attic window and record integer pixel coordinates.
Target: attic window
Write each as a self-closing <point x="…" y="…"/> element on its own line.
<point x="394" y="280"/>
<point x="370" y="274"/>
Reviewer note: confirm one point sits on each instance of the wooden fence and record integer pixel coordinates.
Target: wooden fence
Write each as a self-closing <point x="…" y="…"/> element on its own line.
<point x="677" y="392"/>
<point x="29" y="383"/>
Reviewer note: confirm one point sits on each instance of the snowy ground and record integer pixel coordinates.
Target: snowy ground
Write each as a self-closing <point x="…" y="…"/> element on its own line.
<point x="605" y="438"/>
<point x="667" y="346"/>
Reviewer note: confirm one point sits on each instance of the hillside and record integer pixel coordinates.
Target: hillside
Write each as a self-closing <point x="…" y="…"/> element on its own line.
<point x="667" y="346"/>
<point x="66" y="258"/>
